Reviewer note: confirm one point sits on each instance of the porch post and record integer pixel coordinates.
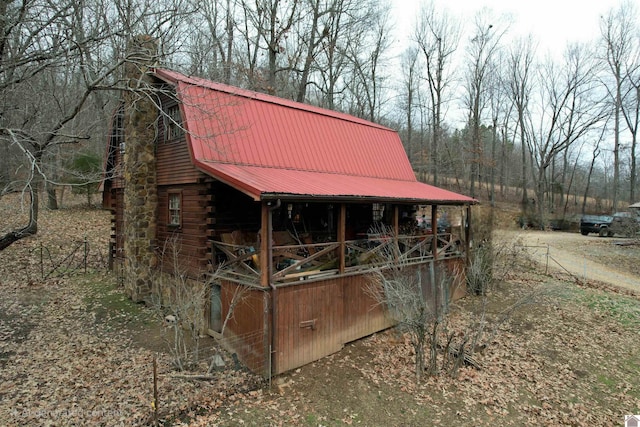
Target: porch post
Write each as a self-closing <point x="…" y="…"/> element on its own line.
<point x="434" y="231"/>
<point x="265" y="245"/>
<point x="342" y="232"/>
<point x="396" y="232"/>
<point x="266" y="274"/>
<point x="467" y="235"/>
<point x="396" y="226"/>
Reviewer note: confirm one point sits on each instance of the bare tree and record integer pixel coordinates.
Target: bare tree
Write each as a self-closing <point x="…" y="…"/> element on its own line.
<point x="595" y="153"/>
<point x="521" y="69"/>
<point x="265" y="27"/>
<point x="481" y="50"/>
<point x="569" y="109"/>
<point x="500" y="109"/>
<point x="314" y="35"/>
<point x="368" y="56"/>
<point x="53" y="67"/>
<point x="437" y="36"/>
<point x="210" y="42"/>
<point x="618" y="29"/>
<point x="341" y="27"/>
<point x="409" y="94"/>
<point x="631" y="112"/>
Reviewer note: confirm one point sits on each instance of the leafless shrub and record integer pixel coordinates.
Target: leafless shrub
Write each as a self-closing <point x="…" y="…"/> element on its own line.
<point x="416" y="299"/>
<point x="480" y="269"/>
<point x="491" y="266"/>
<point x="180" y="301"/>
<point x="481" y="256"/>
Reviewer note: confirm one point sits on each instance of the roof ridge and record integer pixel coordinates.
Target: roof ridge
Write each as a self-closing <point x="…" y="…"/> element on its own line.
<point x="175" y="76"/>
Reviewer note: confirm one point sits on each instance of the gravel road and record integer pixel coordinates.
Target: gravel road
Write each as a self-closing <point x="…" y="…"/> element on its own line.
<point x="586" y="257"/>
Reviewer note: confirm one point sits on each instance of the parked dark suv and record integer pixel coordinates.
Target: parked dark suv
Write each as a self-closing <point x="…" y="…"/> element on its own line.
<point x="624" y="224"/>
<point x="596" y="224"/>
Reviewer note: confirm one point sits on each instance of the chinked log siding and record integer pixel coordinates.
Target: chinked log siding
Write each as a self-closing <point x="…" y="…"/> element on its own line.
<point x="191" y="238"/>
<point x="117" y="224"/>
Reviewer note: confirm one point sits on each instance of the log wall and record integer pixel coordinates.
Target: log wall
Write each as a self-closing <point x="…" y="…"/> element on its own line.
<point x="190" y="240"/>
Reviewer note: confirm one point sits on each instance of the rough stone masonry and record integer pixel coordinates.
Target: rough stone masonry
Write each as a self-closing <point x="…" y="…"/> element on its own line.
<point x="140" y="191"/>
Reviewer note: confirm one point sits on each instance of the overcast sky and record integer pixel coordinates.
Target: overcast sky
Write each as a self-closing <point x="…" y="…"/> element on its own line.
<point x="552" y="22"/>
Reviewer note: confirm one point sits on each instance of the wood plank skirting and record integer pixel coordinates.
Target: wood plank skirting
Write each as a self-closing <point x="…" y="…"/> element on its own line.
<point x="313" y="319"/>
<point x="316" y="319"/>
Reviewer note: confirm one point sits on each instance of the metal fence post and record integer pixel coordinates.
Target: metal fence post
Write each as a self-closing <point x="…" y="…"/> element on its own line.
<point x="86" y="253"/>
<point x="41" y="261"/>
<point x="546" y="266"/>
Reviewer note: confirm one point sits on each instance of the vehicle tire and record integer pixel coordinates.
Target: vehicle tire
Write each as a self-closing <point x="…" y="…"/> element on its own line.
<point x="584" y="232"/>
<point x="604" y="232"/>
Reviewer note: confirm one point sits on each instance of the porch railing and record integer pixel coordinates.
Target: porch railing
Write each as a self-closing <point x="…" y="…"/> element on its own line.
<point x="318" y="260"/>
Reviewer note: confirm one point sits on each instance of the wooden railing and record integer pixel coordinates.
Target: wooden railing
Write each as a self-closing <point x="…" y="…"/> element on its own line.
<point x="319" y="260"/>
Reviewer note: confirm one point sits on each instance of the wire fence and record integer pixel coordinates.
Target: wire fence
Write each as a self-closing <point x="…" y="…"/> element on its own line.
<point x="221" y="354"/>
<point x="220" y="372"/>
<point x="79" y="257"/>
<point x="580" y="268"/>
<point x="217" y="360"/>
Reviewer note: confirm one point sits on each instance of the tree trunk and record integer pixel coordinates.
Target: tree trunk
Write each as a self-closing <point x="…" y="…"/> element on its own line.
<point x="633" y="171"/>
<point x="52" y="200"/>
<point x="29" y="230"/>
<point x="494" y="162"/>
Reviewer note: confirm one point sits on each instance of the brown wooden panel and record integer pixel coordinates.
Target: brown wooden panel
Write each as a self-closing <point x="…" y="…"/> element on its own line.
<point x="246" y="331"/>
<point x="174" y="165"/>
<point x="311" y="320"/>
<point x="362" y="314"/>
<point x="316" y="319"/>
<point x="309" y="323"/>
<point x="456" y="267"/>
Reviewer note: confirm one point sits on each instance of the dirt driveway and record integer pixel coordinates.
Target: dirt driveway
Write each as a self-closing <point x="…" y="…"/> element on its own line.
<point x="612" y="261"/>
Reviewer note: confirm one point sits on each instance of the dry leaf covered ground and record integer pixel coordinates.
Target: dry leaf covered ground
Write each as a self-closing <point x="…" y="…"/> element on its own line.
<point x="74" y="351"/>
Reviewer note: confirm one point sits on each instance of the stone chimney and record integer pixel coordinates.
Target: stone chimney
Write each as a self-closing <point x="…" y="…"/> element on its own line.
<point x="140" y="191"/>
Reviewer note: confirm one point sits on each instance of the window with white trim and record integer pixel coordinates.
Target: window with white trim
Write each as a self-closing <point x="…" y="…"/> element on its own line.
<point x="175" y="209"/>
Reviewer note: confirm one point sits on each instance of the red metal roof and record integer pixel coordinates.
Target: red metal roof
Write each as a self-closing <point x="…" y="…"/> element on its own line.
<point x="269" y="147"/>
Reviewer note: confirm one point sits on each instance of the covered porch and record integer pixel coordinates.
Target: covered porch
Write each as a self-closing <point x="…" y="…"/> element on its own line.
<point x="300" y="241"/>
<point x="304" y="265"/>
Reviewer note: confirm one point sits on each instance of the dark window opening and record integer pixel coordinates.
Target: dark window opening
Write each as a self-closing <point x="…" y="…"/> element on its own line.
<point x="173" y="119"/>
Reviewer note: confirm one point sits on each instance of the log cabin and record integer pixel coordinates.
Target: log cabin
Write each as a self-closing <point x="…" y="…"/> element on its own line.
<point x="294" y="200"/>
